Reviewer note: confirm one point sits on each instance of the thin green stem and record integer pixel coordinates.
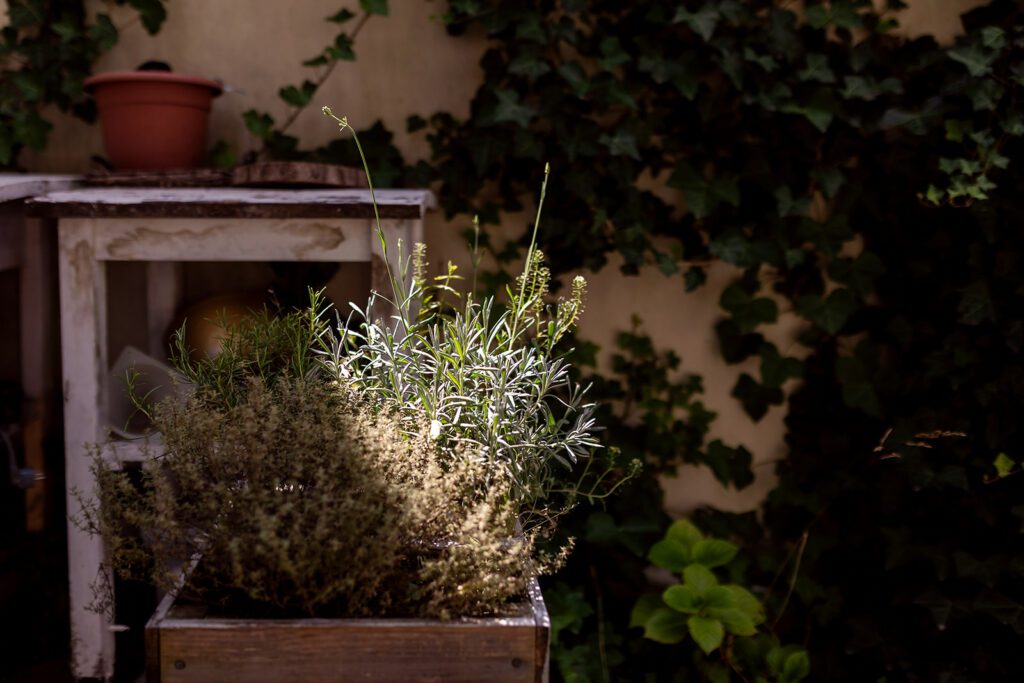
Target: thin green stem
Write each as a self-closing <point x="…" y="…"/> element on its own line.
<point x="529" y="255"/>
<point x="396" y="292"/>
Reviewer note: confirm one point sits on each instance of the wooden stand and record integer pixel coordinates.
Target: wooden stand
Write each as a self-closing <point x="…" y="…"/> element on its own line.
<point x="168" y="226"/>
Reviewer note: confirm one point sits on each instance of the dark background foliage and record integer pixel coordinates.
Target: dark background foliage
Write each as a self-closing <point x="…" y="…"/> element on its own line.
<point x="861" y="179"/>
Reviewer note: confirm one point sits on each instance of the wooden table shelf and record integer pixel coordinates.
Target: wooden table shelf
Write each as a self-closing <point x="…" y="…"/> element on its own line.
<point x="163" y="228"/>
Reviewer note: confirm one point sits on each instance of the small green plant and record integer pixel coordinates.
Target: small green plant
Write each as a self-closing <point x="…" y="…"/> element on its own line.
<point x="722" y="618"/>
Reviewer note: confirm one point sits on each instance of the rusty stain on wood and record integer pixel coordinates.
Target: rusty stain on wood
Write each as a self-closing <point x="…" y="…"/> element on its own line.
<point x="297" y="173"/>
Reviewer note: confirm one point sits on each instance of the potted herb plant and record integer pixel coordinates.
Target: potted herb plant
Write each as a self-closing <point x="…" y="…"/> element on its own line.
<point x="361" y="502"/>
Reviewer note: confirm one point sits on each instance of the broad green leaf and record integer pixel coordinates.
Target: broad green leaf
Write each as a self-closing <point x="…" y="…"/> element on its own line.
<point x="670" y="555"/>
<point x="756" y="398"/>
<point x="977" y="59"/>
<point x="666" y="626"/>
<point x="643" y="610"/>
<point x="731" y="466"/>
<point x="152" y="13"/>
<point x="103" y="32"/>
<point x="683" y="598"/>
<point x="719" y="597"/>
<point x="706" y="632"/>
<point x="622" y="143"/>
<point x="298" y="96"/>
<point x="796" y="668"/>
<point x="734" y="620"/>
<point x="699" y="578"/>
<point x="713" y="552"/>
<point x="258" y="123"/>
<point x="746" y="602"/>
<point x="685" y="532"/>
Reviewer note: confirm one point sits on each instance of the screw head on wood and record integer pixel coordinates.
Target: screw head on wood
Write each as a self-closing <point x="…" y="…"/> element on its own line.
<point x="516" y="663"/>
<point x="179" y="664"/>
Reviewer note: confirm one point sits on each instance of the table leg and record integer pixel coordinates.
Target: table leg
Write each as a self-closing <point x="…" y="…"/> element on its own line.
<point x="83" y="308"/>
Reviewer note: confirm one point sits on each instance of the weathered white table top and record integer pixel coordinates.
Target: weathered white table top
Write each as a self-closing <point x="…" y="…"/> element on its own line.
<point x="20" y="185"/>
<point x="229" y="202"/>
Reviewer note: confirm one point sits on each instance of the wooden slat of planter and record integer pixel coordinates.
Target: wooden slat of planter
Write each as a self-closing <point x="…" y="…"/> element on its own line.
<point x="184" y="649"/>
<point x="229" y="203"/>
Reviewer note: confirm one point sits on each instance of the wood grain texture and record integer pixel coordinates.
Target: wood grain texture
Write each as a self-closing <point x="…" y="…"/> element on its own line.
<point x="229" y="203"/>
<point x="297" y="173"/>
<point x="23" y="185"/>
<point x="191" y="177"/>
<point x="183" y="647"/>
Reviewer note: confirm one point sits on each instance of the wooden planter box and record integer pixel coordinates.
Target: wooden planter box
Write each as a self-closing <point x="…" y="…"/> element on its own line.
<point x="183" y="645"/>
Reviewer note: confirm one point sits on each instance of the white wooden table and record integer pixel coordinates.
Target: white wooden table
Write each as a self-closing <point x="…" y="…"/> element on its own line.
<point x="164" y="227"/>
<point x="27" y="245"/>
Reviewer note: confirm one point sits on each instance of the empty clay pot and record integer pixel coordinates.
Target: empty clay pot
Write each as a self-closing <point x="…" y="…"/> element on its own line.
<point x="153" y="120"/>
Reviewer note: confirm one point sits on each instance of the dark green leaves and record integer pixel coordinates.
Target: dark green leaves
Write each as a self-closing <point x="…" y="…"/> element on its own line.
<point x="703" y="21"/>
<point x="703" y="195"/>
<point x="978" y="53"/>
<point x="829" y="313"/>
<point x="748" y="312"/>
<point x="509" y="109"/>
<point x="298" y="96"/>
<point x="374" y="6"/>
<point x="260" y="124"/>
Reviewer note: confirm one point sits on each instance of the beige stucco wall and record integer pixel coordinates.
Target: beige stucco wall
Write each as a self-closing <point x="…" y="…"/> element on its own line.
<point x="407" y="64"/>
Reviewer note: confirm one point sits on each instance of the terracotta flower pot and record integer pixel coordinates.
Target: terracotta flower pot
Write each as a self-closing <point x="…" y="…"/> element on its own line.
<point x="153" y="120"/>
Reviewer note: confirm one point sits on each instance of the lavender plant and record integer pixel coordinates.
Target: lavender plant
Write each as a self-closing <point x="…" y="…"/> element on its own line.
<point x="488" y="378"/>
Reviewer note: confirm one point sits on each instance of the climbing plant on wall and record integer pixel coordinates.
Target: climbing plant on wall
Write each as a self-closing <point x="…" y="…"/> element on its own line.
<point x="861" y="180"/>
<point x="47" y="49"/>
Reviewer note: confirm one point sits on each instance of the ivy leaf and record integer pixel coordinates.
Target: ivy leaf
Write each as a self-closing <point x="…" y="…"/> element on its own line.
<point x="298" y="96"/>
<point x="707" y="633"/>
<point x="104" y="33"/>
<point x="735" y="345"/>
<point x="221" y="155"/>
<point x="859" y="274"/>
<point x="622" y="143"/>
<point x="703" y="21"/>
<point x="342" y="48"/>
<point x="666" y="626"/>
<point x="775" y="369"/>
<point x="704" y="196"/>
<point x="713" y="552"/>
<point x="830" y="313"/>
<point x="975" y="304"/>
<point x="375" y="6"/>
<point x="756" y="398"/>
<point x="259" y="124"/>
<point x="341" y="16"/>
<point x="819" y="110"/>
<point x="699" y="578"/>
<point x="509" y="110"/>
<point x="152" y="13"/>
<point x="747" y="312"/>
<point x="977" y="59"/>
<point x="612" y="54"/>
<point x="730" y="465"/>
<point x="683" y="598"/>
<point x="858" y="389"/>
<point x="817" y="69"/>
<point x="669" y="554"/>
<point x="838" y="12"/>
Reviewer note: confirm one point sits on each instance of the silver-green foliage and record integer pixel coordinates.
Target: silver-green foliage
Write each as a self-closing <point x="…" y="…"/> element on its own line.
<point x="488" y="377"/>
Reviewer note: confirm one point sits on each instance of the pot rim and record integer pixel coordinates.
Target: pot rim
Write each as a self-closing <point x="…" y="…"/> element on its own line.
<point x="151" y="77"/>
